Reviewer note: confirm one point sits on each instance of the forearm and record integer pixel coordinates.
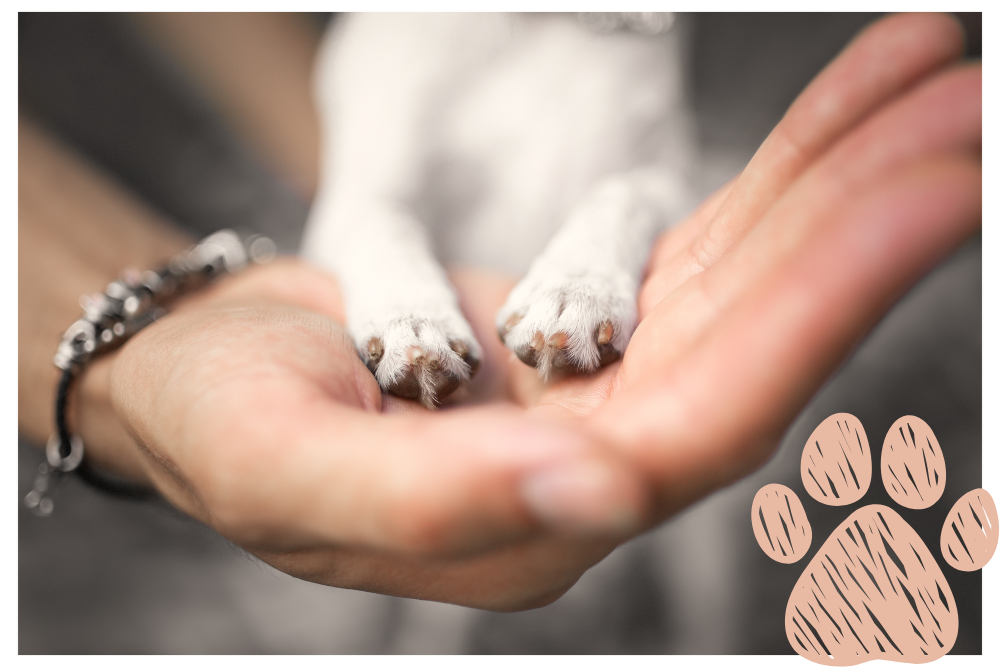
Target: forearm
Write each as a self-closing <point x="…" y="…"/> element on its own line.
<point x="256" y="68"/>
<point x="76" y="231"/>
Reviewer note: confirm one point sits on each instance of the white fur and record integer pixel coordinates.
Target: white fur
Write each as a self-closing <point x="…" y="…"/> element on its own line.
<point x="394" y="289"/>
<point x="589" y="273"/>
<point x="494" y="140"/>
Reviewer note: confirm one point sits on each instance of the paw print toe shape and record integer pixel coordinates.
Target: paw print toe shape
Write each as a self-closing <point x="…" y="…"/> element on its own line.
<point x="969" y="535"/>
<point x="837" y="461"/>
<point x="780" y="524"/>
<point x="912" y="464"/>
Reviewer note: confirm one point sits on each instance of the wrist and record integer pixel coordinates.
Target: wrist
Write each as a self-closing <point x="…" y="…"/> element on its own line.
<point x="92" y="415"/>
<point x="110" y="319"/>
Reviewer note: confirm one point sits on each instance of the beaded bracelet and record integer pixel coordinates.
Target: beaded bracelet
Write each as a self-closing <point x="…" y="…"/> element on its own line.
<point x="128" y="305"/>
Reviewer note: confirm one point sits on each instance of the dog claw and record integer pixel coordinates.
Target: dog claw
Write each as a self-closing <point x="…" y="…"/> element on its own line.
<point x="605" y="333"/>
<point x="552" y="354"/>
<point x="511" y="322"/>
<point x="375" y="349"/>
<point x="558" y="340"/>
<point x="462" y="350"/>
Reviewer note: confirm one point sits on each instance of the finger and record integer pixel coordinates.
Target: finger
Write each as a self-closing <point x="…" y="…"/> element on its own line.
<point x="451" y="483"/>
<point x="943" y="114"/>
<point x="672" y="244"/>
<point x="876" y="66"/>
<point x="481" y="477"/>
<point x="721" y="410"/>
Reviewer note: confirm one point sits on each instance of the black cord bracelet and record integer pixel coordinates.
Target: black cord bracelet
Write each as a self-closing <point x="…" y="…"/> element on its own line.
<point x="128" y="305"/>
<point x="84" y="470"/>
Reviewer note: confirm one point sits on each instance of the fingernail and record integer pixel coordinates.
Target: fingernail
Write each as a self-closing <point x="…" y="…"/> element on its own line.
<point x="582" y="496"/>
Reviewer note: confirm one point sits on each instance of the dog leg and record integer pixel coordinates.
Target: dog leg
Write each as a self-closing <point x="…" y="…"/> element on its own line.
<point x="401" y="310"/>
<point x="575" y="310"/>
<point x="381" y="83"/>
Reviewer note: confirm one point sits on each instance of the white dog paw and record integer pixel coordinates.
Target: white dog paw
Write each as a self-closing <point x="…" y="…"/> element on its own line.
<point x="569" y="323"/>
<point x="419" y="358"/>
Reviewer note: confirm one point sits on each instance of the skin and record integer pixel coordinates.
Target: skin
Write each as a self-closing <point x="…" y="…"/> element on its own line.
<point x="256" y="68"/>
<point x="247" y="407"/>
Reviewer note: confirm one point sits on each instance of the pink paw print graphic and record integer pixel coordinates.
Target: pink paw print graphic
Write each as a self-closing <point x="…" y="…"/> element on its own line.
<point x="873" y="590"/>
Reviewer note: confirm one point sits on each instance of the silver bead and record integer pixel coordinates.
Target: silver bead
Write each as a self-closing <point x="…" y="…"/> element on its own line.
<point x="262" y="250"/>
<point x="116" y="290"/>
<point x="152" y="280"/>
<point x="56" y="460"/>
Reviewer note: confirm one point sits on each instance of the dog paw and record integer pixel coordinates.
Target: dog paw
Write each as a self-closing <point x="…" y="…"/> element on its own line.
<point x="419" y="358"/>
<point x="569" y="323"/>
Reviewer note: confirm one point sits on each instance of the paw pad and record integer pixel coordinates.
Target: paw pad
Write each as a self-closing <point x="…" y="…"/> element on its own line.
<point x="872" y="592"/>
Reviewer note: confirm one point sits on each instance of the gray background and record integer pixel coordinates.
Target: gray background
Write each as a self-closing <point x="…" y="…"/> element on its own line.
<point x="110" y="576"/>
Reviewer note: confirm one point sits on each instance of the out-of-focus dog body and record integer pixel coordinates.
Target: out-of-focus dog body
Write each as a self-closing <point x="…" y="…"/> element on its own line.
<point x="542" y="143"/>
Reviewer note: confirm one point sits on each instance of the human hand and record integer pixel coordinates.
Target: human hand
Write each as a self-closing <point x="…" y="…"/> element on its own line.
<point x="871" y="178"/>
<point x="248" y="408"/>
<point x="255" y="416"/>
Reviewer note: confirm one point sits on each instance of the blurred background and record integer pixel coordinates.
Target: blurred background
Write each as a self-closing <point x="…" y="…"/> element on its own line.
<point x="134" y="94"/>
